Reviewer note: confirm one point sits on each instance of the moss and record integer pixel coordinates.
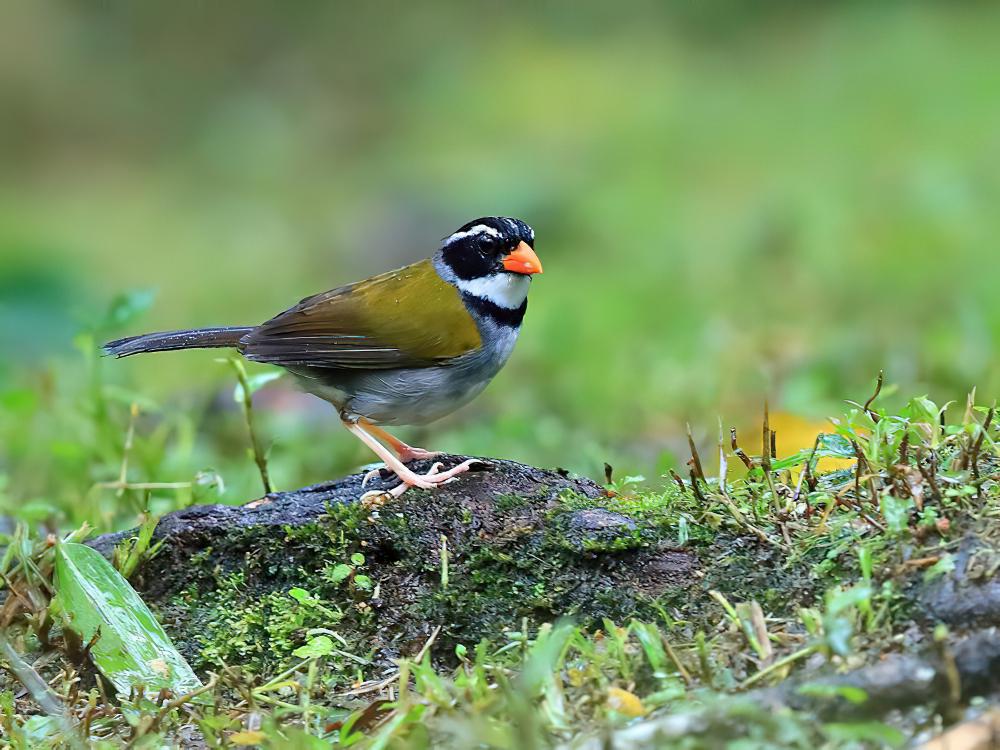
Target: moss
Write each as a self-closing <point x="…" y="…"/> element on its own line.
<point x="258" y="615"/>
<point x="534" y="556"/>
<point x="510" y="501"/>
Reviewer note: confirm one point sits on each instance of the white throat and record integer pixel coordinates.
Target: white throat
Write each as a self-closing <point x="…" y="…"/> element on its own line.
<point x="507" y="290"/>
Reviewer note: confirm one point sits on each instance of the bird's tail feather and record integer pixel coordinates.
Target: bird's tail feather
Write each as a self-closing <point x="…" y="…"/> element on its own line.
<point x="200" y="338"/>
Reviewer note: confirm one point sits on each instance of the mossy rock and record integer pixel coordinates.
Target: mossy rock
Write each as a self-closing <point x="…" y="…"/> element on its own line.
<point x="252" y="584"/>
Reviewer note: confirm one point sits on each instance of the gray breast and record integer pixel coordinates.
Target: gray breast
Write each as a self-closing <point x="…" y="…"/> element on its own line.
<point x="414" y="395"/>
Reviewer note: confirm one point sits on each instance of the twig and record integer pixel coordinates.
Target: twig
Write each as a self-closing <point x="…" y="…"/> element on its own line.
<point x="47" y="700"/>
<point x="427" y="645"/>
<point x="878" y="389"/>
<point x="677" y="478"/>
<point x="145" y="485"/>
<point x="929" y="473"/>
<point x="685" y="675"/>
<point x="723" y="462"/>
<point x="40" y="692"/>
<point x="984" y="428"/>
<point x="695" y="458"/>
<point x="805" y="474"/>
<point x="258" y="453"/>
<point x="784" y="662"/>
<point x="765" y="458"/>
<point x="862" y="465"/>
<point x="696" y="489"/>
<point x="127" y="449"/>
<point x="444" y="561"/>
<point x="740" y="454"/>
<point x="186" y="698"/>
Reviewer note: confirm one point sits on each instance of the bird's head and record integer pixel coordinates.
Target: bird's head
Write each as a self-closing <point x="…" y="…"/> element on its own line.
<point x="491" y="246"/>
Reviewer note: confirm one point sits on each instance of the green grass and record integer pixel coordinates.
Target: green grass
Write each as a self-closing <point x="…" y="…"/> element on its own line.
<point x="922" y="478"/>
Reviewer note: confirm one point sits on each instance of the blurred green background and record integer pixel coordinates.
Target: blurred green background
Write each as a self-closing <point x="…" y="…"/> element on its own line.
<point x="733" y="201"/>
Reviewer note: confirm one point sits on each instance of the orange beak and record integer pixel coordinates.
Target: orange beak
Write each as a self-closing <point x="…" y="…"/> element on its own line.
<point x="523" y="260"/>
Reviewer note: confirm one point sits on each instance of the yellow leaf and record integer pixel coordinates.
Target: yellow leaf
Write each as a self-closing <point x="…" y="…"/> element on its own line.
<point x="625" y="703"/>
<point x="245" y="739"/>
<point x="576" y="677"/>
<point x="795" y="433"/>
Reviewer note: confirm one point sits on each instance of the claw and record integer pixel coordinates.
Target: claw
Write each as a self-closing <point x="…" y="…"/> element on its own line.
<point x="374" y="499"/>
<point x="428" y="481"/>
<point x="370" y="476"/>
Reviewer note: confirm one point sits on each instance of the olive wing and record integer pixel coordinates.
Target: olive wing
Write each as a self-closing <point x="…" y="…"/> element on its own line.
<point x="410" y="317"/>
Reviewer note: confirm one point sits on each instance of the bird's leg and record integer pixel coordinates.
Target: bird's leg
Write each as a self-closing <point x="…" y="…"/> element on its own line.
<point x="405" y="452"/>
<point x="408" y="477"/>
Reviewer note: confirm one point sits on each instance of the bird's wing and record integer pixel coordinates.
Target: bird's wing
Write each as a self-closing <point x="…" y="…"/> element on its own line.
<point x="410" y="317"/>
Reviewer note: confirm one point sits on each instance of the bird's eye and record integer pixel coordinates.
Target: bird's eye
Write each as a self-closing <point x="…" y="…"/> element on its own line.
<point x="488" y="246"/>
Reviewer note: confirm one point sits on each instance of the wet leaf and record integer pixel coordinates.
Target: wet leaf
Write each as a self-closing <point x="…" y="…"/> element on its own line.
<point x="131" y="647"/>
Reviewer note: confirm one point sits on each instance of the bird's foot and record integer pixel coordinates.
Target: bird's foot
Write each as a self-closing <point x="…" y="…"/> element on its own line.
<point x="408" y="453"/>
<point x="433" y="478"/>
<point x="405" y="452"/>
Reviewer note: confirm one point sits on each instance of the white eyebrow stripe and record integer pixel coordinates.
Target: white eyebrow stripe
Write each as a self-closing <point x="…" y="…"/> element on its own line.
<point x="471" y="232"/>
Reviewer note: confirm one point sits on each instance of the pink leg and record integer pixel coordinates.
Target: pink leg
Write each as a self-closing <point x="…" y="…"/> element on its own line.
<point x="408" y="477"/>
<point x="405" y="452"/>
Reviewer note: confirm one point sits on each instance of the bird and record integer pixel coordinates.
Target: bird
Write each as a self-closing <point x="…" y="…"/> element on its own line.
<point x="405" y="347"/>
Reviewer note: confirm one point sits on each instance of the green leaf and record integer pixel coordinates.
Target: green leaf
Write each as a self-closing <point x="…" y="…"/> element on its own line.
<point x="131" y="647"/>
<point x="321" y="645"/>
<point x="849" y="693"/>
<point x="652" y="643"/>
<point x="363" y="582"/>
<point x="39" y="730"/>
<point x="830" y="446"/>
<point x="834" y="446"/>
<point x="255" y="383"/>
<point x="299" y="595"/>
<point x="922" y="409"/>
<point x="865" y="562"/>
<point x="865" y="731"/>
<point x="945" y="565"/>
<point x="840" y="599"/>
<point x="896" y="512"/>
<point x="838" y="632"/>
<point x="683" y="530"/>
<point x="339" y="573"/>
<point x="358" y="559"/>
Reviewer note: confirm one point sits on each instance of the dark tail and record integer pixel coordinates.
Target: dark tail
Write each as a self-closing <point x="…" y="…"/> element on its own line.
<point x="200" y="338"/>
